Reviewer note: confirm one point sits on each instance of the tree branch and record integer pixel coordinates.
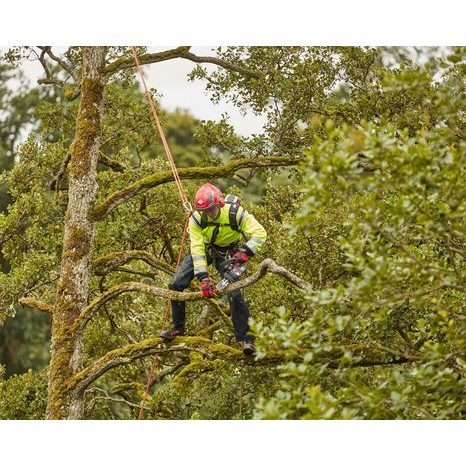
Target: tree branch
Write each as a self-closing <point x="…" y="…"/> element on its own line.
<point x="55" y="183"/>
<point x="169" y="371"/>
<point x="196" y="368"/>
<point x="111" y="163"/>
<point x="157" y="179"/>
<point x="179" y="52"/>
<point x="108" y="397"/>
<point x="66" y="66"/>
<point x="116" y="259"/>
<point x="222" y="63"/>
<point x="269" y="265"/>
<point x="144" y="59"/>
<point x="36" y="304"/>
<point x="51" y="81"/>
<point x="128" y="287"/>
<point x="48" y="75"/>
<point x="219" y="308"/>
<point x="212" y="351"/>
<point x="149" y="347"/>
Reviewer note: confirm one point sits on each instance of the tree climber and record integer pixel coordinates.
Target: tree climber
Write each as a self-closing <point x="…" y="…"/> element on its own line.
<point x="215" y="230"/>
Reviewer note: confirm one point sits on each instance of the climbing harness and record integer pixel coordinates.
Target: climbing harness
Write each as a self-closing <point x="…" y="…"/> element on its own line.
<point x="186" y="206"/>
<point x="234" y="204"/>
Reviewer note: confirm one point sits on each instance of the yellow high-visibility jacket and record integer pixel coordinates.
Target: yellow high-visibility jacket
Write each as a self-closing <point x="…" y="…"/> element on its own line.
<point x="226" y="236"/>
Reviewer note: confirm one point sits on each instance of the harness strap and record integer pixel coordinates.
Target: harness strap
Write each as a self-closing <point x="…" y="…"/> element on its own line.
<point x="215" y="234"/>
<point x="232" y="222"/>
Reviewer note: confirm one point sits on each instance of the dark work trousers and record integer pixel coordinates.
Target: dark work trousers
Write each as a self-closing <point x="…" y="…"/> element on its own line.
<point x="239" y="308"/>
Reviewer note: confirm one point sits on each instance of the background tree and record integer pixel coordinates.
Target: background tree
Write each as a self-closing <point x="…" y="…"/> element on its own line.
<point x="24" y="340"/>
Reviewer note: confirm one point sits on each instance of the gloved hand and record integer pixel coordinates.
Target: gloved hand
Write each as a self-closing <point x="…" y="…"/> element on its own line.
<point x="207" y="287"/>
<point x="240" y="256"/>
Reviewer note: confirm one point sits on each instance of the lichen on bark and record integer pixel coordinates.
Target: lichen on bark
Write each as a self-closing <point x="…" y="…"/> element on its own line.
<point x="72" y="291"/>
<point x="88" y="128"/>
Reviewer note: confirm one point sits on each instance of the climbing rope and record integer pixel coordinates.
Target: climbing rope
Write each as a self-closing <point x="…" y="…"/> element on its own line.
<point x="184" y="200"/>
<point x="186" y="206"/>
<point x="240" y="392"/>
<point x="164" y="325"/>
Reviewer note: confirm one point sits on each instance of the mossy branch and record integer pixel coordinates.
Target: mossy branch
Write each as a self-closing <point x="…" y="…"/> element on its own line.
<point x="192" y="173"/>
<point x="115" y="259"/>
<point x="51" y="82"/>
<point x="218" y="351"/>
<point x="195" y="369"/>
<point x="144" y="59"/>
<point x="179" y="52"/>
<point x="208" y="331"/>
<point x="149" y="347"/>
<point x="111" y="163"/>
<point x="37" y="304"/>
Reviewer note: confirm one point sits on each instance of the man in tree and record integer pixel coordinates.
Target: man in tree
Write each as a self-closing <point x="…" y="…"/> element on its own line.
<point x="215" y="231"/>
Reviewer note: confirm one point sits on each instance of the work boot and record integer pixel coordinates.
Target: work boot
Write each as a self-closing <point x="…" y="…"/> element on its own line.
<point x="249" y="348"/>
<point x="173" y="333"/>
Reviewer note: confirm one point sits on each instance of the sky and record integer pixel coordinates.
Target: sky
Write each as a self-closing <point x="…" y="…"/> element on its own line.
<point x="169" y="78"/>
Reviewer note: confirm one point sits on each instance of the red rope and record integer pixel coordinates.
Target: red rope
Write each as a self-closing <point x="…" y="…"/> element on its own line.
<point x="179" y="185"/>
<point x="165" y="320"/>
<point x="186" y="206"/>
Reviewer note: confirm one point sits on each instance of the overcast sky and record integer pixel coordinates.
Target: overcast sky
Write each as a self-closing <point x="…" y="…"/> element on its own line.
<point x="170" y="79"/>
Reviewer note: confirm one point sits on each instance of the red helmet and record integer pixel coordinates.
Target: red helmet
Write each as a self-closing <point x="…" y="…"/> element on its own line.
<point x="207" y="196"/>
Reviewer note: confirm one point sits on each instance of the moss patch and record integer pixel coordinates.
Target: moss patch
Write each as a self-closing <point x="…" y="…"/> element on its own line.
<point x="88" y="128"/>
<point x="78" y="244"/>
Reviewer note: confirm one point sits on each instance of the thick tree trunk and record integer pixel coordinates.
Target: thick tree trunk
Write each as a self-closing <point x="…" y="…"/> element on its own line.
<point x="72" y="293"/>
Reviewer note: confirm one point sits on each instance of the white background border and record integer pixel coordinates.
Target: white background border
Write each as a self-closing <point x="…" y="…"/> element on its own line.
<point x="288" y="443"/>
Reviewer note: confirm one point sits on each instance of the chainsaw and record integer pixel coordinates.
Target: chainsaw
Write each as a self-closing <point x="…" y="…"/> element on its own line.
<point x="231" y="274"/>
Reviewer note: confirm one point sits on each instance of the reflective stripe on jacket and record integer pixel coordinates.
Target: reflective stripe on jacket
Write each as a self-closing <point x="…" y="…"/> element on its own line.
<point x="226" y="236"/>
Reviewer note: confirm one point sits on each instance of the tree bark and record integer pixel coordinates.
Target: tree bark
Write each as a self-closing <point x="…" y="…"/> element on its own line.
<point x="73" y="287"/>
